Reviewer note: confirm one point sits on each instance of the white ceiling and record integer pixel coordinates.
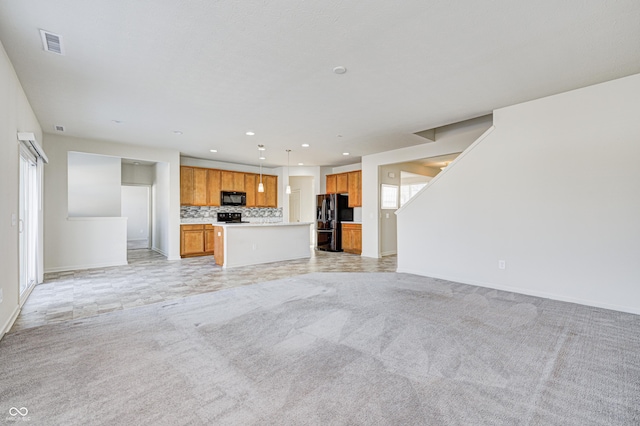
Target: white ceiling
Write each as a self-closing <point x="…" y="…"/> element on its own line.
<point x="216" y="69"/>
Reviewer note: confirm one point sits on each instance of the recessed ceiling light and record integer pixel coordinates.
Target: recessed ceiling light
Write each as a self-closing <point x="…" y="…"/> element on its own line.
<point x="305" y="145"/>
<point x="262" y="157"/>
<point x="345" y="153"/>
<point x="177" y="132"/>
<point x="249" y="133"/>
<point x="339" y="70"/>
<point x="135" y="163"/>
<point x="213" y="150"/>
<point x="300" y="164"/>
<point x="261" y="148"/>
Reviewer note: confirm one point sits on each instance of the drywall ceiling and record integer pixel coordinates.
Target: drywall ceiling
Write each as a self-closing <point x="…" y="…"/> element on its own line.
<point x="138" y="71"/>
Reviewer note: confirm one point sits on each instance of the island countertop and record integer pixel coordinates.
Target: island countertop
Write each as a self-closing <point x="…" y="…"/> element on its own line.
<point x="252" y="224"/>
<point x="243" y="244"/>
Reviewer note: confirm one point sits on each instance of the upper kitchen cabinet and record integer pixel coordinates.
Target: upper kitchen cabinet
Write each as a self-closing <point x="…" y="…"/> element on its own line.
<point x="202" y="187"/>
<point x="342" y="183"/>
<point x="251" y="188"/>
<point x="213" y="187"/>
<point x="186" y="186"/>
<point x="268" y="198"/>
<point x="232" y="181"/>
<point x="355" y="188"/>
<point x="349" y="183"/>
<point x="331" y="184"/>
<point x="193" y="186"/>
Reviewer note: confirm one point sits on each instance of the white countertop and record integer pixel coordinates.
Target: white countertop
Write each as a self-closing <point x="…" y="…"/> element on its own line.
<point x="254" y="224"/>
<point x="352" y="221"/>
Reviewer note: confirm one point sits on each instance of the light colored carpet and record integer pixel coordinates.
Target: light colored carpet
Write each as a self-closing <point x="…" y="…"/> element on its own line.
<point x="331" y="349"/>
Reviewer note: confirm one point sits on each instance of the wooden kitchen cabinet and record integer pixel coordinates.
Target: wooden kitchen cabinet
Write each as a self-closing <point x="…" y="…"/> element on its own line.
<point x="213" y="187"/>
<point x="331" y="184"/>
<point x="251" y="188"/>
<point x="209" y="239"/>
<point x="197" y="240"/>
<point x="232" y="181"/>
<point x="191" y="240"/>
<point x="186" y="186"/>
<point x="355" y="188"/>
<point x="201" y="187"/>
<point x="219" y="244"/>
<point x="193" y="186"/>
<point x="268" y="198"/>
<point x="352" y="238"/>
<point x="349" y="183"/>
<point x="342" y="185"/>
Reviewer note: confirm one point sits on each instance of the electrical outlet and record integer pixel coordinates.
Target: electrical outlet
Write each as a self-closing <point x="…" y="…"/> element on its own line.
<point x="502" y="264"/>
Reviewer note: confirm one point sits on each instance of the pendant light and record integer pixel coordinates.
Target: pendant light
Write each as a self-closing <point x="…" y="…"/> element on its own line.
<point x="260" y="185"/>
<point x="288" y="190"/>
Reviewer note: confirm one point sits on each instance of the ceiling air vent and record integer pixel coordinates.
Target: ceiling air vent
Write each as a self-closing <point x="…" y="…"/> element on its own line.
<point x="59" y="128"/>
<point x="51" y="42"/>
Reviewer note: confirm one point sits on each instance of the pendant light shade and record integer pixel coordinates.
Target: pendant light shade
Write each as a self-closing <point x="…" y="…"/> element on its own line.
<point x="261" y="156"/>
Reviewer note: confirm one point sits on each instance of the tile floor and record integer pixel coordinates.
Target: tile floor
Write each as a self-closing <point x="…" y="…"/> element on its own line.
<point x="151" y="278"/>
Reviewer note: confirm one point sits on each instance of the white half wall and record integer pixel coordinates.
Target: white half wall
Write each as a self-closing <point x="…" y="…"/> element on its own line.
<point x="93" y="185"/>
<point x="16" y="116"/>
<point x="553" y="191"/>
<point x="77" y="244"/>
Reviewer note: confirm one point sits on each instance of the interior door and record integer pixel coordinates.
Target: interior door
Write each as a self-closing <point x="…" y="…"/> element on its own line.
<point x="294" y="206"/>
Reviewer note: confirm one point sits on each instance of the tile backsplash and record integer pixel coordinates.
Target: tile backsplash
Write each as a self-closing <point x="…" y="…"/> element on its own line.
<point x="205" y="212"/>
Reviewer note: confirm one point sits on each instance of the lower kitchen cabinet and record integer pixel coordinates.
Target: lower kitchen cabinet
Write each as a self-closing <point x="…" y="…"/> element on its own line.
<point x="209" y="239"/>
<point x="219" y="244"/>
<point x="352" y="238"/>
<point x="196" y="240"/>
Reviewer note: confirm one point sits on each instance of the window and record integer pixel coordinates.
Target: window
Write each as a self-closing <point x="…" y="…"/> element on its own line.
<point x="389" y="197"/>
<point x="408" y="191"/>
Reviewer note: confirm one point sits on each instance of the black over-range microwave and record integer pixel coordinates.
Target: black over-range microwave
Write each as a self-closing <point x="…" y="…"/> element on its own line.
<point x="233" y="198"/>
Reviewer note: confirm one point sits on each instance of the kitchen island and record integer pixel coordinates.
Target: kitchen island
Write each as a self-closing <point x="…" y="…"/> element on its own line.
<point x="243" y="244"/>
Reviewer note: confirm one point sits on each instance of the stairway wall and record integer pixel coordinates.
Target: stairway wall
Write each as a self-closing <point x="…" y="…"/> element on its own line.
<point x="553" y="190"/>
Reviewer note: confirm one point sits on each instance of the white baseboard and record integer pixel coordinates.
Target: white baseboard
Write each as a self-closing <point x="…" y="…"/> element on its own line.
<point x="9" y="323"/>
<point x="157" y="250"/>
<point x="529" y="292"/>
<point x="388" y="253"/>
<point x="87" y="266"/>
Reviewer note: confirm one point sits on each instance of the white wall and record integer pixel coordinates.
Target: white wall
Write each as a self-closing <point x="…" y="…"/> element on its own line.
<point x="76" y="244"/>
<point x="16" y="116"/>
<point x="449" y="139"/>
<point x="163" y="211"/>
<point x="93" y="185"/>
<point x="136" y="208"/>
<point x="138" y="175"/>
<point x="554" y="191"/>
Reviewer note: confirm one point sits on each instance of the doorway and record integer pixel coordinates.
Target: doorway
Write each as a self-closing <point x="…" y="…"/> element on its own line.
<point x="136" y="207"/>
<point x="28" y="223"/>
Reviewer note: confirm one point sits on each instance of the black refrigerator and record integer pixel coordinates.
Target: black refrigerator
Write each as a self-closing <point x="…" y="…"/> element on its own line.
<point x="332" y="209"/>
